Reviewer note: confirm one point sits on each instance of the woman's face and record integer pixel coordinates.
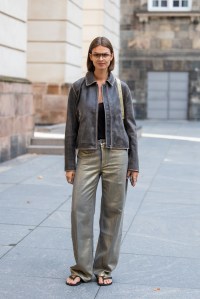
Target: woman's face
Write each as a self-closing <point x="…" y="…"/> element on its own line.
<point x="101" y="57"/>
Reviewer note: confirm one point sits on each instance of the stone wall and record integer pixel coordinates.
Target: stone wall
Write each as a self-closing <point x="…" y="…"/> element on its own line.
<point x="50" y="102"/>
<point x="195" y="5"/>
<point x="16" y="117"/>
<point x="137" y="81"/>
<point x="162" y="43"/>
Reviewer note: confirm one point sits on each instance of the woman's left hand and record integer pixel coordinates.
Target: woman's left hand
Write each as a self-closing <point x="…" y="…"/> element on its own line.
<point x="132" y="175"/>
<point x="70" y="175"/>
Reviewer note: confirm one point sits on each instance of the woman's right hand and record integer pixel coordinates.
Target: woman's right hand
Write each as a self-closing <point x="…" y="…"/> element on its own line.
<point x="70" y="175"/>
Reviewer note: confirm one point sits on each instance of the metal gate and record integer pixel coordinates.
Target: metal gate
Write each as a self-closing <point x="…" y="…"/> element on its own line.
<point x="167" y="95"/>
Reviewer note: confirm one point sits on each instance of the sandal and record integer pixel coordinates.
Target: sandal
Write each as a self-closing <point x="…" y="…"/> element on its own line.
<point x="73" y="277"/>
<point x="103" y="278"/>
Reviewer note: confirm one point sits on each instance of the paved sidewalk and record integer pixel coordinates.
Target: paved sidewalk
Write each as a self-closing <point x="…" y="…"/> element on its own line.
<point x="160" y="254"/>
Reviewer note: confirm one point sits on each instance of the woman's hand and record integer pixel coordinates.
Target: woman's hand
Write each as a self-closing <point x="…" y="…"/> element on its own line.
<point x="132" y="175"/>
<point x="70" y="175"/>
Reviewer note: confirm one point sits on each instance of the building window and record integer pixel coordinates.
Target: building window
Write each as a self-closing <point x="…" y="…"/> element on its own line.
<point x="169" y="5"/>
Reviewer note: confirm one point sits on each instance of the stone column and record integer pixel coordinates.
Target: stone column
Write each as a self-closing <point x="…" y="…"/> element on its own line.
<point x="101" y="18"/>
<point x="54" y="55"/>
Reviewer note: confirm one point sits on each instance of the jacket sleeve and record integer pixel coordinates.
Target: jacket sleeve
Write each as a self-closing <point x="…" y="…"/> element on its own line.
<point x="130" y="127"/>
<point x="71" y="131"/>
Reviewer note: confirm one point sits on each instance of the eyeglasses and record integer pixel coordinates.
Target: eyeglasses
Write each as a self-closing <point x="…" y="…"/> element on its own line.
<point x="99" y="55"/>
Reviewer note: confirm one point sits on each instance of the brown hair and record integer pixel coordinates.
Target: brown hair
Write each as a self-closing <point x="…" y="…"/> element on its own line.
<point x="100" y="41"/>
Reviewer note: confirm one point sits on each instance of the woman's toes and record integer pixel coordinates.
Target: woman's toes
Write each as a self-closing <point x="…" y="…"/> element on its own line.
<point x="107" y="281"/>
<point x="73" y="281"/>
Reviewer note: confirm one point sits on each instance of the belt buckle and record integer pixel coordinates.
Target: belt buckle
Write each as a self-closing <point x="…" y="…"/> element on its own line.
<point x="102" y="142"/>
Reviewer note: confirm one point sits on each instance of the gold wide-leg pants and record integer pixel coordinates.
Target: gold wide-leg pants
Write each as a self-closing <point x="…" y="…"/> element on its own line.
<point x="111" y="165"/>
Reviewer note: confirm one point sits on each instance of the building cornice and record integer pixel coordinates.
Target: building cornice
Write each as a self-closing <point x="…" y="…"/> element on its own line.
<point x="145" y="16"/>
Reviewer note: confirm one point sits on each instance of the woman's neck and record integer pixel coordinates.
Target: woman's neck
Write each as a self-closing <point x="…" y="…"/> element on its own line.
<point x="101" y="76"/>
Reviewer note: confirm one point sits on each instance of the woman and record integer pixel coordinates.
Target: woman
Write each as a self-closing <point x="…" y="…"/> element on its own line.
<point x="107" y="148"/>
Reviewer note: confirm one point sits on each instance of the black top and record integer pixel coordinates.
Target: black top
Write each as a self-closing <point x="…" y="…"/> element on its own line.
<point x="101" y="122"/>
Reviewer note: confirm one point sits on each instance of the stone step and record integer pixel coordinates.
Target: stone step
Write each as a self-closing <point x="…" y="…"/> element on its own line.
<point x="46" y="149"/>
<point x="47" y="141"/>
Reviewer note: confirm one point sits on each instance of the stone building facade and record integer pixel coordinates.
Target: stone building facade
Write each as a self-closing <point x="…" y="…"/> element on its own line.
<point x="43" y="49"/>
<point x="159" y="58"/>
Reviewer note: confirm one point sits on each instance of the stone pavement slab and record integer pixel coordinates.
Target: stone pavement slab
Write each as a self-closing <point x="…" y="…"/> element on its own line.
<point x="48" y="237"/>
<point x="36" y="262"/>
<point x="176" y="196"/>
<point x="32" y="167"/>
<point x="22" y="216"/>
<point x="161" y="271"/>
<point x="160" y="246"/>
<point x="43" y="288"/>
<point x="4" y="187"/>
<point x="59" y="219"/>
<point x="27" y="196"/>
<point x="4" y="249"/>
<point x="12" y="234"/>
<point x="165" y="230"/>
<point x="130" y="291"/>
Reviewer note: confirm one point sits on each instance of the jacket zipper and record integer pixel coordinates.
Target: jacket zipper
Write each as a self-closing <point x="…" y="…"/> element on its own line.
<point x="105" y="119"/>
<point x="97" y="117"/>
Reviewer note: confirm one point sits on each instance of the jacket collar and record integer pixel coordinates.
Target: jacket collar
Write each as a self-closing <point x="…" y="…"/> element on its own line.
<point x="90" y="79"/>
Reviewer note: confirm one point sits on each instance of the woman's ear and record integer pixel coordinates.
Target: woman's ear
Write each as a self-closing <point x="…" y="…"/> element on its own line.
<point x="90" y="55"/>
<point x="111" y="57"/>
